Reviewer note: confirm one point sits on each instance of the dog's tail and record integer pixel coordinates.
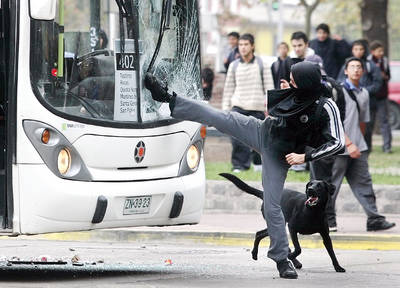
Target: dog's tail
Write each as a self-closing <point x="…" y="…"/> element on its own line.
<point x="243" y="186"/>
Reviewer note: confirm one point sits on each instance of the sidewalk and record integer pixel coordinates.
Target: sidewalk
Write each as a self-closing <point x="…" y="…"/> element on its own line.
<point x="239" y="230"/>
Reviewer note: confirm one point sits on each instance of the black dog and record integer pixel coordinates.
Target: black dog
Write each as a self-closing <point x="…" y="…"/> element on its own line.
<point x="304" y="213"/>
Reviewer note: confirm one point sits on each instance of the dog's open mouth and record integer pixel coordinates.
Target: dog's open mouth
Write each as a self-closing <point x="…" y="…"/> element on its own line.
<point x="312" y="201"/>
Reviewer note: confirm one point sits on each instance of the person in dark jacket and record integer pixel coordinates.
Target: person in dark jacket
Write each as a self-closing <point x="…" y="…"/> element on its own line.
<point x="207" y="79"/>
<point x="280" y="68"/>
<point x="299" y="116"/>
<point x="333" y="51"/>
<point x="370" y="80"/>
<point x="378" y="57"/>
<point x="233" y="52"/>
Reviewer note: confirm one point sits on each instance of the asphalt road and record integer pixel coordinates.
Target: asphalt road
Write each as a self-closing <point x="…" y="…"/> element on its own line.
<point x="183" y="264"/>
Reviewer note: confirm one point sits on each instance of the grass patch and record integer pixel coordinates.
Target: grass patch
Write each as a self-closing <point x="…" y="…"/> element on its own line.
<point x="377" y="159"/>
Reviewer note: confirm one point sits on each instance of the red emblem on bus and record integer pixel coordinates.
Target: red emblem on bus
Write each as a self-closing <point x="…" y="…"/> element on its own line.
<point x="140" y="151"/>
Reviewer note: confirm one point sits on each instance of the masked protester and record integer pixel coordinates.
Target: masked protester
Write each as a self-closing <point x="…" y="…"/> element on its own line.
<point x="299" y="116"/>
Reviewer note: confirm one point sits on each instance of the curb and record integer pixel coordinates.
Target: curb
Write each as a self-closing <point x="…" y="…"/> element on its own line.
<point x="388" y="198"/>
<point x="340" y="241"/>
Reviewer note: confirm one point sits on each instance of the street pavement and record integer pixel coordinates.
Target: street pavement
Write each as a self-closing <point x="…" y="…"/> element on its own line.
<point x="180" y="263"/>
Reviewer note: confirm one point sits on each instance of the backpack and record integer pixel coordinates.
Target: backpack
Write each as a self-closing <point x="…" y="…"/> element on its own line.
<point x="260" y="65"/>
<point x="334" y="90"/>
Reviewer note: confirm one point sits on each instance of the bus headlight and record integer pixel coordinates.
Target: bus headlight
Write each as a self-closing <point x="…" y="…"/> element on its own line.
<point x="191" y="160"/>
<point x="193" y="157"/>
<point x="64" y="161"/>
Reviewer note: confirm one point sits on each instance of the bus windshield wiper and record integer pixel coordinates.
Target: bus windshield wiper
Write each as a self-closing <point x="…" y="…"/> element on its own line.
<point x="85" y="104"/>
<point x="123" y="13"/>
<point x="165" y="25"/>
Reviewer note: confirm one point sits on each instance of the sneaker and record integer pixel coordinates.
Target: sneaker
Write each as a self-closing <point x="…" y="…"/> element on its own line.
<point x="379" y="225"/>
<point x="333" y="228"/>
<point x="237" y="170"/>
<point x="387" y="151"/>
<point x="286" y="269"/>
<point x="257" y="168"/>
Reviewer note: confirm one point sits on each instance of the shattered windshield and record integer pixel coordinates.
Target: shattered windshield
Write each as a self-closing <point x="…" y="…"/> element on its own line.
<point x="90" y="61"/>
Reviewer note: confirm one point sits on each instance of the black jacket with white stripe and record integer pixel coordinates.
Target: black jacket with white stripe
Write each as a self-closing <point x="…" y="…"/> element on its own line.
<point x="318" y="127"/>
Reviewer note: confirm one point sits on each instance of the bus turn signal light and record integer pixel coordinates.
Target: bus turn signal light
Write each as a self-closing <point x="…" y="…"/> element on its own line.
<point x="64" y="161"/>
<point x="45" y="136"/>
<point x="203" y="132"/>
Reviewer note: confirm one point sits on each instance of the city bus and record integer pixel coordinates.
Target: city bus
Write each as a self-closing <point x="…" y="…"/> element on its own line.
<point x="83" y="144"/>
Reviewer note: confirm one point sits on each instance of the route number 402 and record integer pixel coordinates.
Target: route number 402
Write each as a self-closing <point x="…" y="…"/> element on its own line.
<point x="125" y="61"/>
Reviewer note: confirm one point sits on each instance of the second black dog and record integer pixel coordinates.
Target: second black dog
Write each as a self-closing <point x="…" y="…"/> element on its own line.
<point x="304" y="213"/>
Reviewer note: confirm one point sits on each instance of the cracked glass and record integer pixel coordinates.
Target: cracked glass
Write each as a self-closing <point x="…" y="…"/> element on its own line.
<point x="85" y="63"/>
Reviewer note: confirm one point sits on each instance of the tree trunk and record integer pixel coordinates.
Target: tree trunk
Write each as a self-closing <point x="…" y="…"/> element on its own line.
<point x="374" y="21"/>
<point x="309" y="11"/>
<point x="308" y="21"/>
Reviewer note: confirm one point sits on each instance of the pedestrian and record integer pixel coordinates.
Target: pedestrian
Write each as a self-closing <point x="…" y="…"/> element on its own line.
<point x="302" y="52"/>
<point x="378" y="57"/>
<point x="207" y="79"/>
<point x="280" y="69"/>
<point x="299" y="117"/>
<point x="353" y="164"/>
<point x="246" y="85"/>
<point x="370" y="80"/>
<point x="103" y="39"/>
<point x="232" y="53"/>
<point x="333" y="50"/>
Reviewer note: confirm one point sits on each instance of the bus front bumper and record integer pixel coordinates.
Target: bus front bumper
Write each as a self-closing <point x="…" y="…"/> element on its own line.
<point x="45" y="203"/>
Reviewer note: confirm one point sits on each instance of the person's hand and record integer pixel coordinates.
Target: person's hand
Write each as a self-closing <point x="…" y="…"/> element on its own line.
<point x="353" y="150"/>
<point x="158" y="90"/>
<point x="284" y="84"/>
<point x="295" y="159"/>
<point x="385" y="76"/>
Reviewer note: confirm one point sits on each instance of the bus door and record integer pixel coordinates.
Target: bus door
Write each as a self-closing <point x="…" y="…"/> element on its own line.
<point x="2" y="121"/>
<point x="8" y="44"/>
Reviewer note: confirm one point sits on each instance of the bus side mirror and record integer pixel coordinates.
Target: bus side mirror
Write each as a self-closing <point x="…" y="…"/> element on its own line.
<point x="42" y="9"/>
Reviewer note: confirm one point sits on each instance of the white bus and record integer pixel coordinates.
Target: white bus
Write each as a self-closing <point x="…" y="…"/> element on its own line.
<point x="85" y="146"/>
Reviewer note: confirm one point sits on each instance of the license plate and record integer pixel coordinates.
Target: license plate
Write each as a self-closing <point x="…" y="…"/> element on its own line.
<point x="137" y="205"/>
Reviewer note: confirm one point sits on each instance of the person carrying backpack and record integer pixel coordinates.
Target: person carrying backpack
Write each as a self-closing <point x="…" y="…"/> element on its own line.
<point x="246" y="85"/>
<point x="353" y="164"/>
<point x="371" y="80"/>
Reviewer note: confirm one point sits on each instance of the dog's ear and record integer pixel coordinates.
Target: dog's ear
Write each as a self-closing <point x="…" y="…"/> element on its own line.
<point x="331" y="188"/>
<point x="308" y="184"/>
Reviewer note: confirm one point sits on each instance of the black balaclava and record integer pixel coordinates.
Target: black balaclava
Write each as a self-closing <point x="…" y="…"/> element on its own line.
<point x="288" y="102"/>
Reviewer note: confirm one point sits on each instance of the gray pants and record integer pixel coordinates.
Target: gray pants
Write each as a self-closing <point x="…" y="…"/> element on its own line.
<point x="359" y="179"/>
<point x="274" y="176"/>
<point x="256" y="134"/>
<point x="380" y="111"/>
